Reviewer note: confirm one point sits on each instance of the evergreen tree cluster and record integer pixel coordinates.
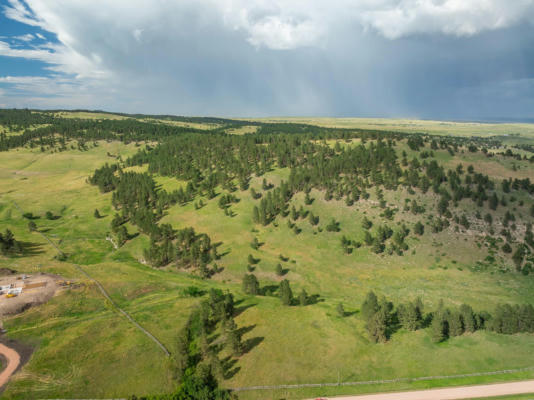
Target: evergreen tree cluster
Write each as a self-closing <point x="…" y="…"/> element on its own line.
<point x="8" y="244"/>
<point x="139" y="201"/>
<point x="105" y="178"/>
<point x="195" y="361"/>
<point x="271" y="205"/>
<point x="383" y="319"/>
<point x="214" y="159"/>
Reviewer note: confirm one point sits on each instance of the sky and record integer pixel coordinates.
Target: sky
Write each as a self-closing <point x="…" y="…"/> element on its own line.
<point x="431" y="59"/>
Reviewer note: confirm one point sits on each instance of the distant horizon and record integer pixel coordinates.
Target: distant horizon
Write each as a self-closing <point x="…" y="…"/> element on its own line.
<point x="483" y="120"/>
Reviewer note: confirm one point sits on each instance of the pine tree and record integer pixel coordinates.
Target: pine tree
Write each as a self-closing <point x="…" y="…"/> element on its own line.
<point x="285" y="293"/>
<point x="8" y="244"/>
<point x="122" y="235"/>
<point x="468" y="318"/>
<point x="377" y="326"/>
<point x="378" y="246"/>
<point x="255" y="244"/>
<point x="293" y="214"/>
<point x="443" y="206"/>
<point x="340" y="310"/>
<point x="439" y="325"/>
<point x="493" y="201"/>
<point x="367" y="238"/>
<point x="419" y="228"/>
<point x="250" y="284"/>
<point x="256" y="215"/>
<point x="370" y="305"/>
<point x="454" y="323"/>
<point x="408" y="316"/>
<point x="97" y="214"/>
<point x="32" y="227"/>
<point x="303" y="298"/>
<point x="333" y="226"/>
<point x="233" y="341"/>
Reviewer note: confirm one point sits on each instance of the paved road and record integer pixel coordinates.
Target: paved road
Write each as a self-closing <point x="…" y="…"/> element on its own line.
<point x="453" y="393"/>
<point x="13" y="361"/>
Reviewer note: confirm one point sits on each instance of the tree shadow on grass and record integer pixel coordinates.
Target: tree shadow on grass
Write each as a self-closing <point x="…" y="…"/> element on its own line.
<point x="246" y="329"/>
<point x="249" y="344"/>
<point x="284" y="271"/>
<point x="239" y="310"/>
<point x="253" y="260"/>
<point x="268" y="290"/>
<point x="133" y="235"/>
<point x="314" y="299"/>
<point x="228" y="364"/>
<point x="350" y="313"/>
<point x="30" y="248"/>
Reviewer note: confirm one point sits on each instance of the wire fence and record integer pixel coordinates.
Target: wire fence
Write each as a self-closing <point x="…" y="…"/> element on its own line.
<point x="104" y="293"/>
<point x="382" y="381"/>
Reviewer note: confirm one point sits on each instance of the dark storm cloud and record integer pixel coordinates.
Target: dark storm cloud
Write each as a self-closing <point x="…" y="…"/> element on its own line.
<point x="429" y="59"/>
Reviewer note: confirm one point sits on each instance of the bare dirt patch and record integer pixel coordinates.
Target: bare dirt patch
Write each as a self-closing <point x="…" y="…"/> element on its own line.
<point x="15" y="355"/>
<point x="36" y="289"/>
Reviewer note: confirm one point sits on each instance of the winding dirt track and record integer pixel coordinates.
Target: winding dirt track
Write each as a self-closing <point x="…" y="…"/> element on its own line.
<point x="13" y="361"/>
<point x="454" y="393"/>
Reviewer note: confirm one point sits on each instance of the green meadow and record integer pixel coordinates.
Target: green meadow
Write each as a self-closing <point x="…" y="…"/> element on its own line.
<point x="85" y="348"/>
<point x="415" y="126"/>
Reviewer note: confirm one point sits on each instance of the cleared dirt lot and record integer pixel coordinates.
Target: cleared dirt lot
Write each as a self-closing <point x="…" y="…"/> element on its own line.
<point x="36" y="289"/>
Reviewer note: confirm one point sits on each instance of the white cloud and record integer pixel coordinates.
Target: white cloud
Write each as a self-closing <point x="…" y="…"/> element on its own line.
<point x="196" y="51"/>
<point x="283" y="33"/>
<point x="279" y="24"/>
<point x="396" y="18"/>
<point x="25" y="38"/>
<point x="18" y="12"/>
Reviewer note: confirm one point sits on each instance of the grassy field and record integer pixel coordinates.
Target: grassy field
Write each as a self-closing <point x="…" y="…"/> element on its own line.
<point x="88" y="115"/>
<point x="84" y="347"/>
<point x="101" y="115"/>
<point x="415" y="126"/>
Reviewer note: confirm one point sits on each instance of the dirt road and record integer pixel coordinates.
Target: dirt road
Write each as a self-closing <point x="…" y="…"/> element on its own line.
<point x="13" y="361"/>
<point x="462" y="392"/>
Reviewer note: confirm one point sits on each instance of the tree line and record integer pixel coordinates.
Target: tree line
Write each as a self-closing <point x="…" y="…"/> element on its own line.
<point x="383" y="319"/>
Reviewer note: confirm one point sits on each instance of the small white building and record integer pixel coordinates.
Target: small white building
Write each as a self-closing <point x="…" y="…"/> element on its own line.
<point x="5" y="288"/>
<point x="15" y="291"/>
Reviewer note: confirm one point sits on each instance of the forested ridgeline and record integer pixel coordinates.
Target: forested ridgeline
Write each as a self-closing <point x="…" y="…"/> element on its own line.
<point x="60" y="131"/>
<point x="348" y="165"/>
<point x="459" y="198"/>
